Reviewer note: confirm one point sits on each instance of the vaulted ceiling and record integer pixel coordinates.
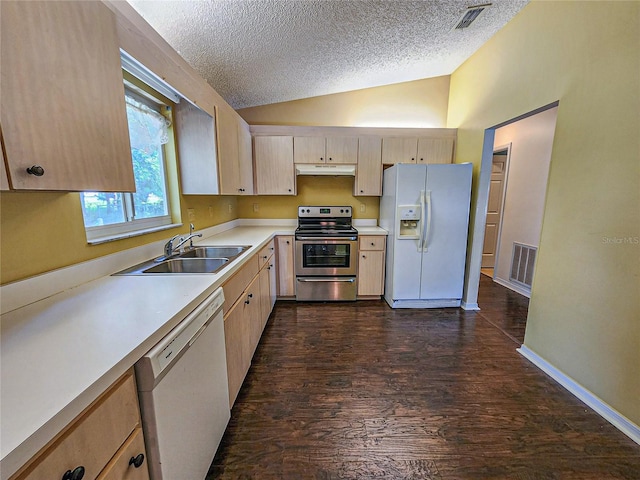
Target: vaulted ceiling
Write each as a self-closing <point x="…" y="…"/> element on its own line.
<point x="258" y="52"/>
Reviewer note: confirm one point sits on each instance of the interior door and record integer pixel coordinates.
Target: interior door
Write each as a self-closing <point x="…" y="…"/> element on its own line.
<point x="494" y="208"/>
<point x="445" y="252"/>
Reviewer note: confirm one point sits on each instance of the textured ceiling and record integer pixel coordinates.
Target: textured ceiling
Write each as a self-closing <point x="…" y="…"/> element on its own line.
<point x="257" y="52"/>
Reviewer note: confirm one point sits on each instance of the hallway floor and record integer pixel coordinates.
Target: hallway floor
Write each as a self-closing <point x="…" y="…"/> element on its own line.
<point x="361" y="391"/>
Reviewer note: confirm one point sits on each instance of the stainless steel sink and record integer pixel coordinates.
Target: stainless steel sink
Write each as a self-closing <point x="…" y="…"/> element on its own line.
<point x="189" y="265"/>
<point x="200" y="259"/>
<point x="213" y="252"/>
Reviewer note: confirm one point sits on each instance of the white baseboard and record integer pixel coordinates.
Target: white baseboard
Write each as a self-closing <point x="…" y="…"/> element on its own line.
<point x="611" y="415"/>
<point x="512" y="286"/>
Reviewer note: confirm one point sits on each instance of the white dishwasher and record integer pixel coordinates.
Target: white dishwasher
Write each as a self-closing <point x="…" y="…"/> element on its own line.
<point x="184" y="395"/>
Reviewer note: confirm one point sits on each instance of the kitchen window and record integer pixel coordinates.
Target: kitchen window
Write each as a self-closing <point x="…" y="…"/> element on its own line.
<point x="112" y="215"/>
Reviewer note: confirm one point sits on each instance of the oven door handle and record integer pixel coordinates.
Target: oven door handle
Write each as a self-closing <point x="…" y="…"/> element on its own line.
<point x="347" y="280"/>
<point x="333" y="239"/>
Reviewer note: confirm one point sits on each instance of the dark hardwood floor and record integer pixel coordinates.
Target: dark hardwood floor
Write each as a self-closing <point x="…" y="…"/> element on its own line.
<point x="360" y="391"/>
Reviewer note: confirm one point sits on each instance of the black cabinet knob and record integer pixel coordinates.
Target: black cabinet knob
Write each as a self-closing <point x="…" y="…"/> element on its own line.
<point x="247" y="302"/>
<point x="330" y="159"/>
<point x="36" y="170"/>
<point x="361" y="191"/>
<point x="137" y="461"/>
<point x="321" y="159"/>
<point x="264" y="256"/>
<point x="76" y="474"/>
<point x="289" y="189"/>
<point x="250" y="295"/>
<point x="287" y="242"/>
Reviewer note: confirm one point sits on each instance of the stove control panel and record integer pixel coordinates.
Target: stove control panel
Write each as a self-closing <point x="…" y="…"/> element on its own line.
<point x="309" y="211"/>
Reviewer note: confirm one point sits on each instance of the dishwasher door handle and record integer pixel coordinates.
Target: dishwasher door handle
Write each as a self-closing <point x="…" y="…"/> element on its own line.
<point x="347" y="280"/>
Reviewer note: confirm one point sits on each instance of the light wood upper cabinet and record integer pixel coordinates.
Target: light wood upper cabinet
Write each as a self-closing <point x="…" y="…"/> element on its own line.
<point x="308" y="150"/>
<point x="325" y="150"/>
<point x="399" y="150"/>
<point x="369" y="172"/>
<point x="273" y="161"/>
<point x="245" y="160"/>
<point x="196" y="131"/>
<point x="229" y="168"/>
<point x="417" y="150"/>
<point x="435" y="150"/>
<point x="342" y="150"/>
<point x="62" y="97"/>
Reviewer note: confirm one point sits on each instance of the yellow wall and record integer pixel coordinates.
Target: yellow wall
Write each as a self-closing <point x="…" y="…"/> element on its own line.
<point x="44" y="231"/>
<point x="584" y="315"/>
<point x="311" y="191"/>
<point x="417" y="104"/>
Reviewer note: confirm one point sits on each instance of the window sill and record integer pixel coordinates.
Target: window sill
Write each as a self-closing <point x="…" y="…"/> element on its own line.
<point x="137" y="233"/>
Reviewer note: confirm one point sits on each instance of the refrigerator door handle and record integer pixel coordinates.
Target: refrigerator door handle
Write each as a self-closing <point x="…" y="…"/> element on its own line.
<point x="427" y="227"/>
<point x="421" y="238"/>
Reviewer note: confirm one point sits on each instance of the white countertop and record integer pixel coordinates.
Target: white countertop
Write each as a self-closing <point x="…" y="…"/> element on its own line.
<point x="60" y="353"/>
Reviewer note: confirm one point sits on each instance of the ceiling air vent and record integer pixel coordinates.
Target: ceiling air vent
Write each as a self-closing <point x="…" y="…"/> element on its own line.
<point x="471" y="14"/>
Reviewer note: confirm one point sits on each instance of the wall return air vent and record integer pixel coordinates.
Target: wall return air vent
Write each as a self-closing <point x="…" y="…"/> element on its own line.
<point x="470" y="15"/>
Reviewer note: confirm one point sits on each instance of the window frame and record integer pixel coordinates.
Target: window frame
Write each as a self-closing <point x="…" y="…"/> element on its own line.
<point x="131" y="226"/>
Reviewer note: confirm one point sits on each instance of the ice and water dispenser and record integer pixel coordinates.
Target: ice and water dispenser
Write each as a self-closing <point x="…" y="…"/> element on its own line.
<point x="408" y="222"/>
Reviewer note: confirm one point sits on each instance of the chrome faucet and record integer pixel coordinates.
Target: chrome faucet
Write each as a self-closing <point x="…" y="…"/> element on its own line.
<point x="185" y="240"/>
<point x="170" y="248"/>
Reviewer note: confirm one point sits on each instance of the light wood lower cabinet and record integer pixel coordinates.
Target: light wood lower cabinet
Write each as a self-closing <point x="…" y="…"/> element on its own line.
<point x="98" y="441"/>
<point x="284" y="261"/>
<point x="371" y="255"/>
<point x="246" y="313"/>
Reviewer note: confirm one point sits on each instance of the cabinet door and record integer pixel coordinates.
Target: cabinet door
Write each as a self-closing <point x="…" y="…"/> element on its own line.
<point x="196" y="131"/>
<point x="309" y="150"/>
<point x="399" y="150"/>
<point x="265" y="300"/>
<point x="94" y="438"/>
<point x="342" y="150"/>
<point x="369" y="172"/>
<point x="273" y="156"/>
<point x="273" y="283"/>
<point x="229" y="169"/>
<point x="120" y="466"/>
<point x="371" y="273"/>
<point x="236" y="339"/>
<point x="62" y="100"/>
<point x="245" y="160"/>
<point x="252" y="313"/>
<point x="286" y="273"/>
<point x="435" y="150"/>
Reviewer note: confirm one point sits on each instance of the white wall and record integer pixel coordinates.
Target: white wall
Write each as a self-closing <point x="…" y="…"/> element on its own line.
<point x="531" y="142"/>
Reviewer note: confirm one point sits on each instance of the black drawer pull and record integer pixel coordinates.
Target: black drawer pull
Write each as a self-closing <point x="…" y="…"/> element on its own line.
<point x="76" y="474"/>
<point x="137" y="461"/>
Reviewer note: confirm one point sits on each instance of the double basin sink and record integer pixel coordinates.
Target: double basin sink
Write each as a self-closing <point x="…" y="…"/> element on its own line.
<point x="201" y="259"/>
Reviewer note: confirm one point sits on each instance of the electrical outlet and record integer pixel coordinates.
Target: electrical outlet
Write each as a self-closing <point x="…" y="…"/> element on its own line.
<point x="256" y="207"/>
<point x="230" y="208"/>
<point x="363" y="208"/>
<point x="191" y="214"/>
<point x="211" y="212"/>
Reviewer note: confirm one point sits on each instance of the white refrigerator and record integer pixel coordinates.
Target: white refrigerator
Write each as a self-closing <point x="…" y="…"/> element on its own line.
<point x="425" y="209"/>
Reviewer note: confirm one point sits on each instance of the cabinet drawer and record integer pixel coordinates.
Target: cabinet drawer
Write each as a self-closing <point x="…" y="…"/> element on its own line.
<point x="265" y="253"/>
<point x="93" y="438"/>
<point x="119" y="468"/>
<point x="234" y="287"/>
<point x="371" y="242"/>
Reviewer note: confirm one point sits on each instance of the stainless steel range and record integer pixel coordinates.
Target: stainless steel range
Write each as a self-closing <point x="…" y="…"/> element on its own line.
<point x="326" y="246"/>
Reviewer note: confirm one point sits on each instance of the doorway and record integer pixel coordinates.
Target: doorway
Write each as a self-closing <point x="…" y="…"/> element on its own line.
<point x="522" y="213"/>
